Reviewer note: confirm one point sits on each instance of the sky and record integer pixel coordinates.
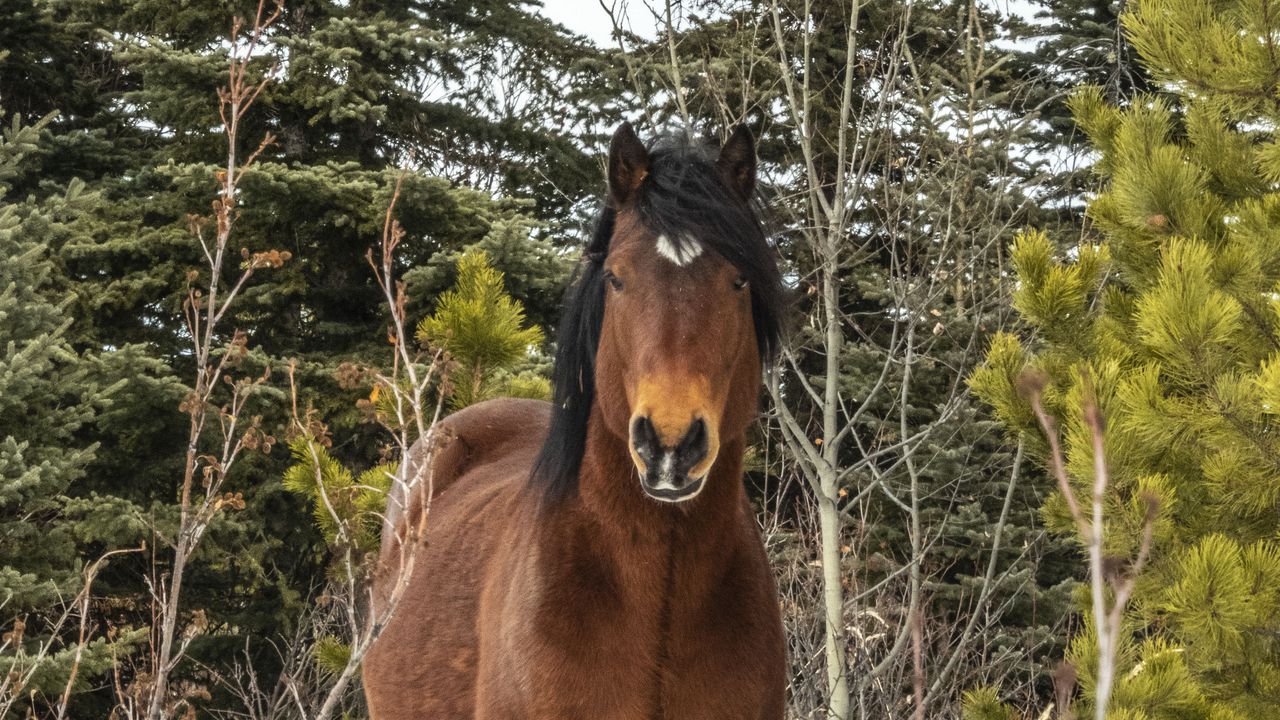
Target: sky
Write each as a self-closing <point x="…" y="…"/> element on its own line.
<point x="588" y="17"/>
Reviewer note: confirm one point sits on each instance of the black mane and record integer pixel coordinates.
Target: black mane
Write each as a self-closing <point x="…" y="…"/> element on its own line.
<point x="683" y="196"/>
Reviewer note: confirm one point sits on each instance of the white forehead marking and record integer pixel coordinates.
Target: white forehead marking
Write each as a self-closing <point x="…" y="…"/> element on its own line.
<point x="682" y="254"/>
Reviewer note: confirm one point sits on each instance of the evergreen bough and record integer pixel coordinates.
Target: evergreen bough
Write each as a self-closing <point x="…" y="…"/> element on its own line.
<point x="1172" y="323"/>
<point x="483" y="329"/>
<point x="48" y="394"/>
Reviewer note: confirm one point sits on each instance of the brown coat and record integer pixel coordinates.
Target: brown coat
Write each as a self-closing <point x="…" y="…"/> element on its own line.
<point x="604" y="605"/>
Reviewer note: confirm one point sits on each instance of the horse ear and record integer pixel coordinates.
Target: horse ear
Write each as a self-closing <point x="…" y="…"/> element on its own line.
<point x="737" y="162"/>
<point x="628" y="164"/>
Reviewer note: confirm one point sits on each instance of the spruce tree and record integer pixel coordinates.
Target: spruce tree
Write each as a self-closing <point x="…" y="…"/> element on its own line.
<point x="1170" y="322"/>
<point x="1077" y="42"/>
<point x="48" y="395"/>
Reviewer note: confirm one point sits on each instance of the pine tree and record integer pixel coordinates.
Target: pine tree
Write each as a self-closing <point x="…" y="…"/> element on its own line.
<point x="1171" y="324"/>
<point x="477" y="336"/>
<point x="482" y="329"/>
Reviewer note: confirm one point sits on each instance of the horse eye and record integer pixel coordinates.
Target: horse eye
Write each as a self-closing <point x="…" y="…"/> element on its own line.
<point x="740" y="284"/>
<point x="614" y="281"/>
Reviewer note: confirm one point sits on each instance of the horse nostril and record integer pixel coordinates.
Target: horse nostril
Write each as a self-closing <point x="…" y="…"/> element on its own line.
<point x="693" y="446"/>
<point x="644" y="438"/>
<point x="695" y="437"/>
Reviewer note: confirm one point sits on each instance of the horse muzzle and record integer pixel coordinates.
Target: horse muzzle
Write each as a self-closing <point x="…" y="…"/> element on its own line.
<point x="671" y="472"/>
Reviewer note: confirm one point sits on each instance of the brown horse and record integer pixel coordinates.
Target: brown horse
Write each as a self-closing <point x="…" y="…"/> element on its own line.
<point x="597" y="558"/>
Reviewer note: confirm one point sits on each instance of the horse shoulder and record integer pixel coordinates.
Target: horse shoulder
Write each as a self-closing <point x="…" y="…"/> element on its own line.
<point x="497" y="430"/>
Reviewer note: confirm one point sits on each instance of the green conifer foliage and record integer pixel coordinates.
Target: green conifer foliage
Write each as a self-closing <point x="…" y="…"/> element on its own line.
<point x="1077" y="42"/>
<point x="481" y="99"/>
<point x="984" y="704"/>
<point x="1172" y="323"/>
<point x="48" y="394"/>
<point x="482" y="328"/>
<point x="347" y="508"/>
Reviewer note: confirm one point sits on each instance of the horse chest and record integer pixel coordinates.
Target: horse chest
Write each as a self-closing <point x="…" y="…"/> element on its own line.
<point x="630" y="673"/>
<point x="628" y="644"/>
